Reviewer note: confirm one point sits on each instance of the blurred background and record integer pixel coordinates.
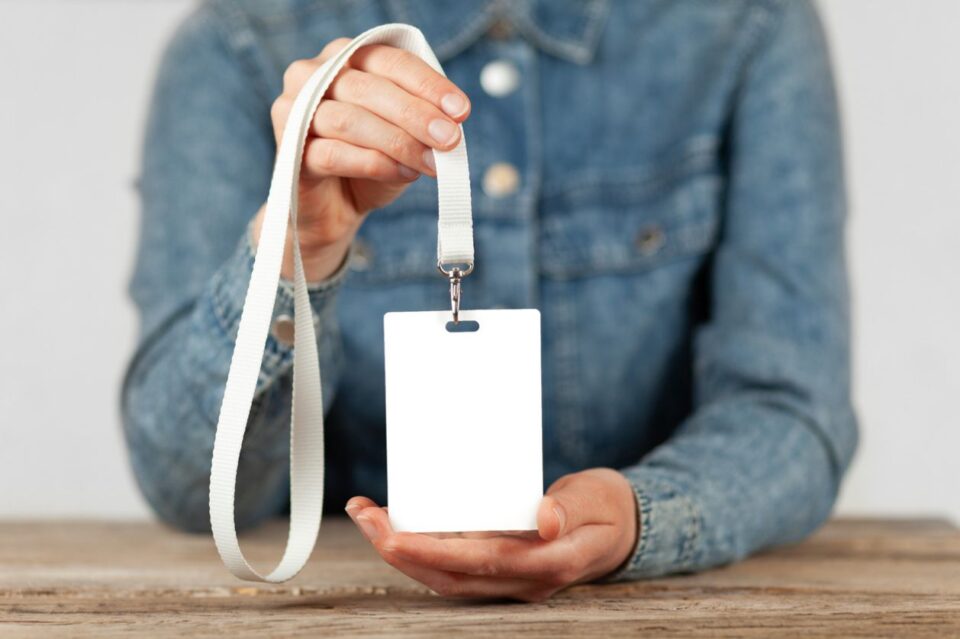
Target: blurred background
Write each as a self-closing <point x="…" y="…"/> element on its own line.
<point x="76" y="76"/>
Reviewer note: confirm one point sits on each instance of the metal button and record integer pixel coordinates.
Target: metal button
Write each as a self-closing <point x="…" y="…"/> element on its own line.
<point x="502" y="29"/>
<point x="499" y="78"/>
<point x="501" y="179"/>
<point x="650" y="240"/>
<point x="283" y="329"/>
<point x="361" y="256"/>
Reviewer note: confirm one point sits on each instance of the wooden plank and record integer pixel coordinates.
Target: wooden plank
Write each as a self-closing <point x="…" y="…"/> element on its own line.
<point x="853" y="578"/>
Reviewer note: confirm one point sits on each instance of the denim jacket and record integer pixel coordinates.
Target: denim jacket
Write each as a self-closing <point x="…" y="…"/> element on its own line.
<point x="662" y="179"/>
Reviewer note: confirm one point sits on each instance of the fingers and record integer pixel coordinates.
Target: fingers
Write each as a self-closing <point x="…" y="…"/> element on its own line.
<point x="377" y="94"/>
<point x="375" y="526"/>
<point x="294" y="78"/>
<point x="553" y="563"/>
<point x="406" y="70"/>
<point x="587" y="527"/>
<point x="415" y="76"/>
<point x="388" y="103"/>
<point x="359" y="127"/>
<point x="326" y="158"/>
<point x="579" y="499"/>
<point x="332" y="48"/>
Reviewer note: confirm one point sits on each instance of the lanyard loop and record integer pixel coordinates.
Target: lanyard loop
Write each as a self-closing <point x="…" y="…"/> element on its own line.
<point x="454" y="247"/>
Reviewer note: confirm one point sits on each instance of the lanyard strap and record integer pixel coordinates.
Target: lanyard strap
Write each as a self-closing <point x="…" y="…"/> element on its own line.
<point x="454" y="247"/>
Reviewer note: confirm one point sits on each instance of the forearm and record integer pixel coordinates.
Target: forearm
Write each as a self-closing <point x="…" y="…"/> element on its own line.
<point x="759" y="460"/>
<point x="747" y="472"/>
<point x="174" y="387"/>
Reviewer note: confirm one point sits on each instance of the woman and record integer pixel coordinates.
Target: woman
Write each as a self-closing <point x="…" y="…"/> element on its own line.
<point x="662" y="179"/>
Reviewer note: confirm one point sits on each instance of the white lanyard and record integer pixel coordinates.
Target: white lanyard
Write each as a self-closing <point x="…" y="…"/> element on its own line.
<point x="454" y="250"/>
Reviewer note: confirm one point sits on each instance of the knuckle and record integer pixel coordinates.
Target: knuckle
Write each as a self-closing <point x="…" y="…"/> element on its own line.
<point x="279" y="109"/>
<point x="428" y="86"/>
<point x="294" y="71"/>
<point x="323" y="155"/>
<point x="409" y="112"/>
<point x="333" y="46"/>
<point x="360" y="84"/>
<point x="339" y="119"/>
<point x="372" y="168"/>
<point x="396" y="61"/>
<point x="488" y="569"/>
<point x="398" y="146"/>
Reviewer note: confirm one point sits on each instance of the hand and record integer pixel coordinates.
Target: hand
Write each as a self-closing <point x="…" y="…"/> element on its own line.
<point x="371" y="137"/>
<point x="587" y="527"/>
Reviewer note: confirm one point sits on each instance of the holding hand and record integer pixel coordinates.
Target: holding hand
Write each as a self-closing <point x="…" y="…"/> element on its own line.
<point x="372" y="135"/>
<point x="587" y="527"/>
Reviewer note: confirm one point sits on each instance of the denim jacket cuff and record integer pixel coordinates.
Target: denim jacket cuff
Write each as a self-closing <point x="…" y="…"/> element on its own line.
<point x="229" y="290"/>
<point x="668" y="521"/>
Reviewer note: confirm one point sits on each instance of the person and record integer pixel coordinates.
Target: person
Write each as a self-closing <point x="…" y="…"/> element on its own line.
<point x="663" y="180"/>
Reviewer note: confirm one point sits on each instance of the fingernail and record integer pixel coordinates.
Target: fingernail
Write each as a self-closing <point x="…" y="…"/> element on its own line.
<point x="368" y="527"/>
<point x="453" y="104"/>
<point x="429" y="160"/>
<point x="406" y="172"/>
<point x="443" y="131"/>
<point x="352" y="509"/>
<point x="561" y="519"/>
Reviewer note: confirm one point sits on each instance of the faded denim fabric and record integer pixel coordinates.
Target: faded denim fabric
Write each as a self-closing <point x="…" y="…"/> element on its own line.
<point x="679" y="222"/>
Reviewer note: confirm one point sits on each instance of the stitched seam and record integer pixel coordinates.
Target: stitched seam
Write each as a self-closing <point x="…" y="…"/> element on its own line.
<point x="643" y="520"/>
<point x="287" y="16"/>
<point x="238" y="35"/>
<point x="693" y="534"/>
<point x="699" y="154"/>
<point x="581" y="52"/>
<point x="466" y="31"/>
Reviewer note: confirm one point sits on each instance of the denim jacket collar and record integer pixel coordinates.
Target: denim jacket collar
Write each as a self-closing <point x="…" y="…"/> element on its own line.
<point x="568" y="29"/>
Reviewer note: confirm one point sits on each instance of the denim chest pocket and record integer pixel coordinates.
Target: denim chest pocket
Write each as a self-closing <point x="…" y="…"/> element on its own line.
<point x="620" y="251"/>
<point x="632" y="219"/>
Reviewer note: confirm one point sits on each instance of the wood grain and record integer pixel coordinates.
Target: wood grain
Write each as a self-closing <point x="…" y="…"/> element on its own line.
<point x="863" y="578"/>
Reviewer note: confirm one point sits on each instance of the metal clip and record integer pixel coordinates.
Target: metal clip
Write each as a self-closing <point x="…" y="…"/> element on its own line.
<point x="456" y="277"/>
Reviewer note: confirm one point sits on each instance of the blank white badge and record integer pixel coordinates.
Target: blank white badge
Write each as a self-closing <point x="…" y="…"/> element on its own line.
<point x="464" y="441"/>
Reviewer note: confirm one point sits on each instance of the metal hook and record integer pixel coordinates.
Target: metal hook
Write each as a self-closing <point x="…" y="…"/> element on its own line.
<point x="456" y="289"/>
<point x="455" y="275"/>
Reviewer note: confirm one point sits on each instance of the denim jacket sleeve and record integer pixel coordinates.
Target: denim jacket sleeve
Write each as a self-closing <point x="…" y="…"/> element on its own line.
<point x="759" y="460"/>
<point x="208" y="154"/>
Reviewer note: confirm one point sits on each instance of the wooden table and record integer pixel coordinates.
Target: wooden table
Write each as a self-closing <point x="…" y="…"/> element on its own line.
<point x="868" y="578"/>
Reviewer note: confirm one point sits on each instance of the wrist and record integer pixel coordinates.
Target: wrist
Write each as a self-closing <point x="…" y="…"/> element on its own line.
<point x="319" y="263"/>
<point x="320" y="260"/>
<point x="630" y="524"/>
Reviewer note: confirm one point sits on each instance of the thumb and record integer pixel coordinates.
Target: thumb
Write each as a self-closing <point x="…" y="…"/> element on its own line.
<point x="574" y="501"/>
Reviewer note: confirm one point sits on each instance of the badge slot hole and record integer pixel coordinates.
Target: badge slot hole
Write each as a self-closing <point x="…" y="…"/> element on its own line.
<point x="463" y="326"/>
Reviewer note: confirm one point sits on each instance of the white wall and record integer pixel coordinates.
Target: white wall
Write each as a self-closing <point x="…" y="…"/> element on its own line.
<point x="897" y="68"/>
<point x="74" y="79"/>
